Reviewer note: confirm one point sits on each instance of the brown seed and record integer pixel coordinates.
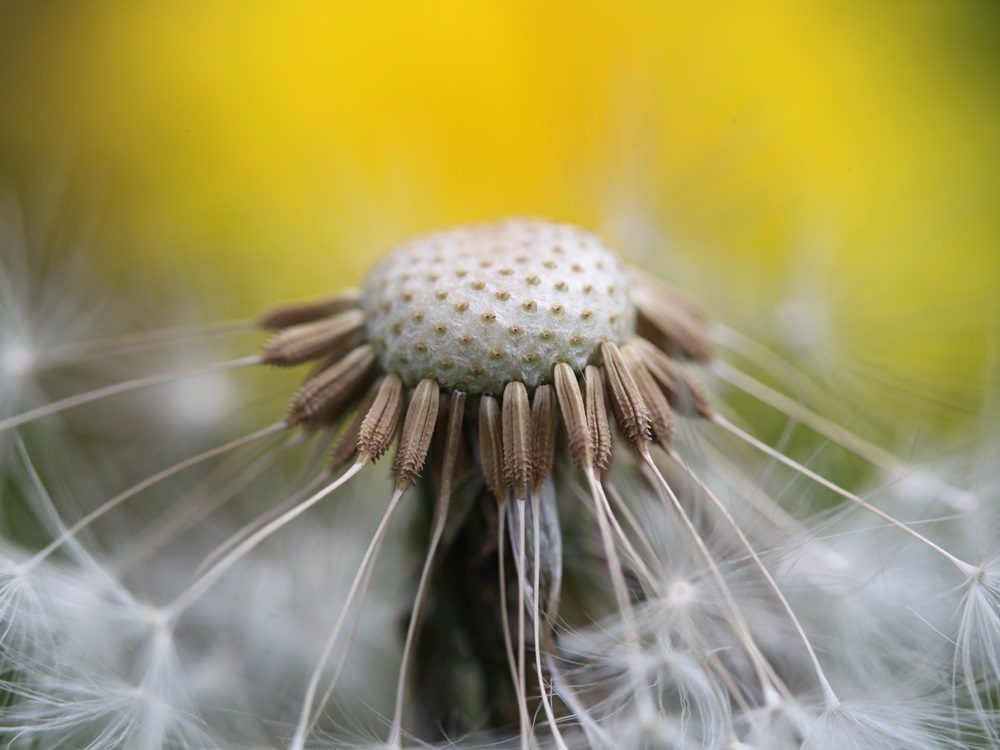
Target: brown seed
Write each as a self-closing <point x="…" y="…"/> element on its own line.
<point x="597" y="417"/>
<point x="418" y="429"/>
<point x="323" y="396"/>
<point x="660" y="417"/>
<point x="307" y="341"/>
<point x="669" y="321"/>
<point x="685" y="394"/>
<point x="347" y="443"/>
<point x="453" y="441"/>
<point x="491" y="446"/>
<point x="379" y="426"/>
<point x="574" y="416"/>
<point x="516" y="419"/>
<point x="290" y="315"/>
<point x="626" y="400"/>
<point x="543" y="434"/>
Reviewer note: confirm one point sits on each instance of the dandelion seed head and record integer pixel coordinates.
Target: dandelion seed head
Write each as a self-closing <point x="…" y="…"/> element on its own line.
<point x="476" y="307"/>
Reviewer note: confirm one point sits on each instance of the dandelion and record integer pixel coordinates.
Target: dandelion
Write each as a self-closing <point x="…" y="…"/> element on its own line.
<point x="601" y="568"/>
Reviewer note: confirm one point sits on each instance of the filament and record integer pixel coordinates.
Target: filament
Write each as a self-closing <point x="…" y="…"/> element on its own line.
<point x="258" y="523"/>
<point x="440" y="517"/>
<point x="521" y="699"/>
<point x="220" y="568"/>
<point x="305" y="724"/>
<point x="964" y="567"/>
<point x="134" y="342"/>
<point x="645" y="574"/>
<point x="765" y="674"/>
<point x="879" y="457"/>
<point x="129" y="385"/>
<point x="645" y="707"/>
<point x="521" y="565"/>
<point x="546" y="701"/>
<point x="163" y="533"/>
<point x="76" y="548"/>
<point x="149" y="482"/>
<point x="831" y="697"/>
<point x="595" y="735"/>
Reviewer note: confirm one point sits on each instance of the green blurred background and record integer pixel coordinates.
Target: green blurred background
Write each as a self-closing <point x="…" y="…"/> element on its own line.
<point x="823" y="175"/>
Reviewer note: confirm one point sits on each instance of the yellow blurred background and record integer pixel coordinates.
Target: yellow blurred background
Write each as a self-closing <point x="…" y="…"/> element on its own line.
<point x="821" y="174"/>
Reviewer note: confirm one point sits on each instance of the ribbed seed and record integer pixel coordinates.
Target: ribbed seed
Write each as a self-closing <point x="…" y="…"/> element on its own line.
<point x="597" y="417"/>
<point x="308" y="341"/>
<point x="685" y="394"/>
<point x="660" y="418"/>
<point x="516" y="418"/>
<point x="491" y="446"/>
<point x="453" y="439"/>
<point x="669" y="320"/>
<point x="284" y="316"/>
<point x="672" y="334"/>
<point x="543" y="434"/>
<point x="379" y="426"/>
<point x="347" y="443"/>
<point x="626" y="400"/>
<point x="574" y="416"/>
<point x="323" y="396"/>
<point x="418" y="429"/>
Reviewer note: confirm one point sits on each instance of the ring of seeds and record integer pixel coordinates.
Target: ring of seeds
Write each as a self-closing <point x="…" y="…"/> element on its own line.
<point x="540" y="320"/>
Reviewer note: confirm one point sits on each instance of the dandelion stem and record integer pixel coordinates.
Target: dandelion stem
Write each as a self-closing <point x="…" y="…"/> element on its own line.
<point x="966" y="568"/>
<point x="130" y="385"/>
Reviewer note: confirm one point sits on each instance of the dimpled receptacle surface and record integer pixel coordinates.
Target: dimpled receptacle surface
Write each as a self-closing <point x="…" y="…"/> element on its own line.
<point x="478" y="306"/>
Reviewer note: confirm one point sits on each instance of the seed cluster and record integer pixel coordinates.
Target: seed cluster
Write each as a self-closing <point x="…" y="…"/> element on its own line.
<point x="477" y="307"/>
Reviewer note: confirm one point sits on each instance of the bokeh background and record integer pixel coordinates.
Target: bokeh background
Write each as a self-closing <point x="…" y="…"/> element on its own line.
<point x="822" y="175"/>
